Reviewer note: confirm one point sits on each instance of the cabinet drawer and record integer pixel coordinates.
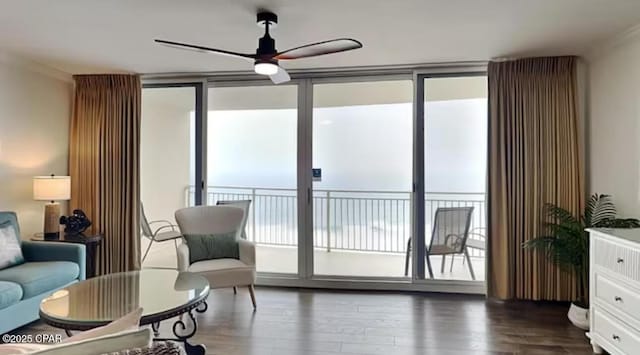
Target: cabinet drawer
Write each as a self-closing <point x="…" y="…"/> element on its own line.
<point x="624" y="338"/>
<point x="617" y="258"/>
<point x="618" y="296"/>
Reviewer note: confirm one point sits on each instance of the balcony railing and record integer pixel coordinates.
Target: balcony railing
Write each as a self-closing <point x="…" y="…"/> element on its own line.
<point x="372" y="221"/>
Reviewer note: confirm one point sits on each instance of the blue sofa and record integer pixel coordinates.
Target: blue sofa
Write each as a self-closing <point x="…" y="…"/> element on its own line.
<point x="47" y="268"/>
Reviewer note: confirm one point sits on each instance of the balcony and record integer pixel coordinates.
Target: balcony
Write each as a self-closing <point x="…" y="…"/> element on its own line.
<point x="356" y="233"/>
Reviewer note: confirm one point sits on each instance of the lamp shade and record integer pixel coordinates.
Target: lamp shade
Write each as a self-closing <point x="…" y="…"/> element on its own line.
<point x="51" y="188"/>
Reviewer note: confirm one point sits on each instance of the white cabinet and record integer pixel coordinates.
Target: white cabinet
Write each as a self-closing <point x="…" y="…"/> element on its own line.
<point x="614" y="290"/>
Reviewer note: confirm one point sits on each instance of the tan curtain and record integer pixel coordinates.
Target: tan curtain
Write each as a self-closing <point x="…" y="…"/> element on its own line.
<point x="104" y="165"/>
<point x="534" y="158"/>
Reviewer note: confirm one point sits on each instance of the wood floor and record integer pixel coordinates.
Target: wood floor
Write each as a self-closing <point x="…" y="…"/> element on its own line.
<point x="292" y="321"/>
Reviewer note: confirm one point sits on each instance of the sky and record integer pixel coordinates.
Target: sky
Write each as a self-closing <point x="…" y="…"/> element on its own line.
<point x="364" y="147"/>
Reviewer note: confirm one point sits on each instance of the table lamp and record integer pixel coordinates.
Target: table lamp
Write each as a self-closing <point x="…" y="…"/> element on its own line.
<point x="51" y="188"/>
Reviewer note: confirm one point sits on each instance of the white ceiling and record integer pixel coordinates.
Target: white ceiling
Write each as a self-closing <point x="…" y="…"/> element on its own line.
<point x="91" y="36"/>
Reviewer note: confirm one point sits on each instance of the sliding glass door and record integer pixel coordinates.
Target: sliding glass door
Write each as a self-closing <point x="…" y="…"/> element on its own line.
<point x="362" y="153"/>
<point x="251" y="156"/>
<point x="455" y="159"/>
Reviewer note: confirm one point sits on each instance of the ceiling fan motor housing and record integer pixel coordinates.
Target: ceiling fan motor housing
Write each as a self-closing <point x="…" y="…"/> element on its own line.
<point x="266" y="45"/>
<point x="266" y="17"/>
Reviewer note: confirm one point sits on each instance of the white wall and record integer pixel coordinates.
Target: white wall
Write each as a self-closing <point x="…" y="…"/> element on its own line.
<point x="165" y="150"/>
<point x="35" y="105"/>
<point x="613" y="144"/>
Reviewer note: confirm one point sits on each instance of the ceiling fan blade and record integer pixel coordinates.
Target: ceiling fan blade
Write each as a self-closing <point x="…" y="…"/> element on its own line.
<point x="320" y="48"/>
<point x="281" y="76"/>
<point x="204" y="49"/>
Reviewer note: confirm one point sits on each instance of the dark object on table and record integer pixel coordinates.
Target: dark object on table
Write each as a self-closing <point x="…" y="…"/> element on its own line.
<point x="76" y="223"/>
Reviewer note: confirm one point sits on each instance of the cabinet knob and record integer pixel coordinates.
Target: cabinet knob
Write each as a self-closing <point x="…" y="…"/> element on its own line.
<point x="618" y="299"/>
<point x="620" y="260"/>
<point x="615" y="337"/>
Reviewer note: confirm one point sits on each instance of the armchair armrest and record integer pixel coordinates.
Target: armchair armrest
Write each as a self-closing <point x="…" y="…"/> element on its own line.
<point x="247" y="252"/>
<point x="165" y="224"/>
<point x="183" y="257"/>
<point x="47" y="251"/>
<point x="161" y="221"/>
<point x="160" y="229"/>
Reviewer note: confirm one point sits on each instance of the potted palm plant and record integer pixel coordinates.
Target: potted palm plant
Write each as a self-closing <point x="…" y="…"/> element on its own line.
<point x="567" y="245"/>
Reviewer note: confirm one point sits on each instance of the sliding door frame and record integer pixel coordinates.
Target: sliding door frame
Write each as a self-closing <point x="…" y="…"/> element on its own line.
<point x="311" y="82"/>
<point x="301" y="173"/>
<point x="305" y="183"/>
<point x="419" y="226"/>
<point x="200" y="105"/>
<point x="305" y="81"/>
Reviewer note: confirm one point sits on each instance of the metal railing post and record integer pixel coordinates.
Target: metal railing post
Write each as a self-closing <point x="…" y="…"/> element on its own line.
<point x="253" y="214"/>
<point x="328" y="221"/>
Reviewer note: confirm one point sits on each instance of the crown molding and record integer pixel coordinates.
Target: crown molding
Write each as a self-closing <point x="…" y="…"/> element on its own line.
<point x="627" y="36"/>
<point x="30" y="65"/>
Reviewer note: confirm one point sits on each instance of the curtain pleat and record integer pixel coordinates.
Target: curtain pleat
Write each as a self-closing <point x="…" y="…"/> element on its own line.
<point x="534" y="159"/>
<point x="104" y="165"/>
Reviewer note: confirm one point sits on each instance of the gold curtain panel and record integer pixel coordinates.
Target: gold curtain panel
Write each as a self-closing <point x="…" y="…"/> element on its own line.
<point x="534" y="158"/>
<point x="104" y="164"/>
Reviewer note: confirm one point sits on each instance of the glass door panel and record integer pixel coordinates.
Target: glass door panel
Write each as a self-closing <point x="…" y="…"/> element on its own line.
<point x="167" y="165"/>
<point x="252" y="155"/>
<point x="362" y="160"/>
<point x="455" y="119"/>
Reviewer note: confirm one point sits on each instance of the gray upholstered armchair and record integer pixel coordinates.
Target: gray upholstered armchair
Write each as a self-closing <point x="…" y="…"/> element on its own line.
<point x="224" y="272"/>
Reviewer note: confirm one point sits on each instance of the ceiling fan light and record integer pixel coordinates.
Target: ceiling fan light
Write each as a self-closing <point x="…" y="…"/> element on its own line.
<point x="265" y="68"/>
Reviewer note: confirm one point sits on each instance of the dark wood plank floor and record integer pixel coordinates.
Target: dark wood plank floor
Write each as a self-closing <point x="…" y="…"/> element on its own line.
<point x="322" y="322"/>
<point x="314" y="322"/>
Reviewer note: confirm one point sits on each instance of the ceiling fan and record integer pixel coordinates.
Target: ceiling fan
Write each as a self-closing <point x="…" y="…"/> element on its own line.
<point x="267" y="56"/>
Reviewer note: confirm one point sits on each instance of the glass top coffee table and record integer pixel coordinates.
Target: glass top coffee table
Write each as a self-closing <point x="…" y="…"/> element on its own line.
<point x="162" y="293"/>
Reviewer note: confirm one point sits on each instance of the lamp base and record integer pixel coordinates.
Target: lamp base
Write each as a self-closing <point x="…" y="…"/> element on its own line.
<point x="52" y="221"/>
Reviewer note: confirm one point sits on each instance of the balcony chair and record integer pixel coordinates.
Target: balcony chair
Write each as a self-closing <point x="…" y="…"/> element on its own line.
<point x="449" y="237"/>
<point x="223" y="272"/>
<point x="477" y="243"/>
<point x="164" y="232"/>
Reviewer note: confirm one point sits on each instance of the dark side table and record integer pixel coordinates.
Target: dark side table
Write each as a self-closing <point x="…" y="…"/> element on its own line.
<point x="91" y="243"/>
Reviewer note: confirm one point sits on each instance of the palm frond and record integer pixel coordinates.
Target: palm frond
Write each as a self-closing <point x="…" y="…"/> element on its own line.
<point x="599" y="208"/>
<point x="561" y="216"/>
<point x="619" y="223"/>
<point x="563" y="252"/>
<point x="589" y="207"/>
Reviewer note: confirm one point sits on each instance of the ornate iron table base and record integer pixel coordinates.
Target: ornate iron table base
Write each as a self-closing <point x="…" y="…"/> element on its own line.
<point x="179" y="328"/>
<point x="175" y="294"/>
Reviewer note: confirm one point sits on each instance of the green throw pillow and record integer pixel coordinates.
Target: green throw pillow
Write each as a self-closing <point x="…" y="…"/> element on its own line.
<point x="212" y="246"/>
<point x="10" y="250"/>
